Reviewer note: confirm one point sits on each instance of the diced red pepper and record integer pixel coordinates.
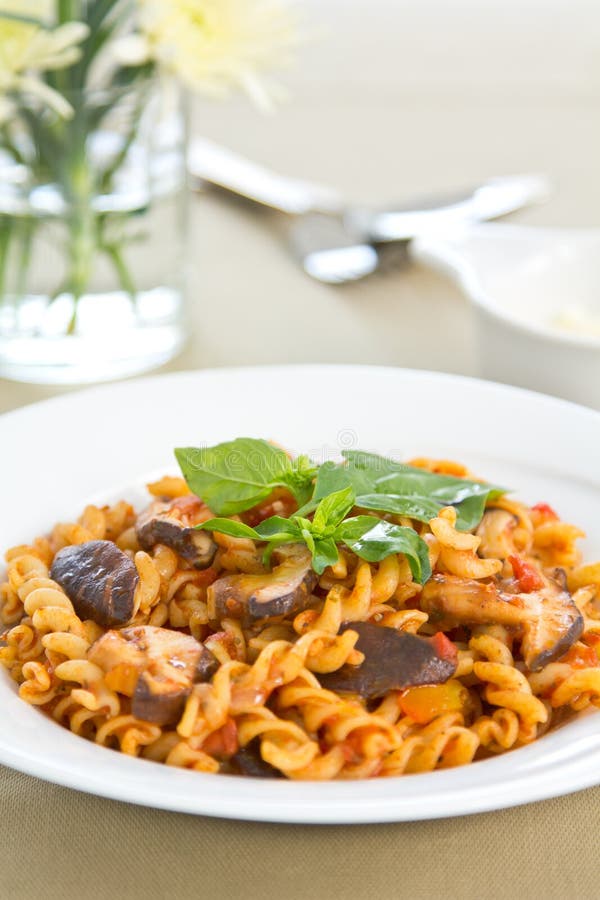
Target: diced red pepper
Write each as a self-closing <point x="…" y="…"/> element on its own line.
<point x="280" y="503"/>
<point x="444" y="647"/>
<point x="593" y="640"/>
<point x="223" y="742"/>
<point x="581" y="657"/>
<point x="545" y="510"/>
<point x="527" y="575"/>
<point x="351" y="749"/>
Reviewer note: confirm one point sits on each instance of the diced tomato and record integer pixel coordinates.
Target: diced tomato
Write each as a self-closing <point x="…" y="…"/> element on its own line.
<point x="351" y="749"/>
<point x="593" y="640"/>
<point x="223" y="742"/>
<point x="187" y="505"/>
<point x="527" y="575"/>
<point x="423" y="704"/>
<point x="581" y="657"/>
<point x="444" y="647"/>
<point x="545" y="510"/>
<point x="280" y="503"/>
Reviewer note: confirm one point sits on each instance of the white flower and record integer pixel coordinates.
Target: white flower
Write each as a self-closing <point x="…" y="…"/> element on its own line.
<point x="28" y="48"/>
<point x="130" y="50"/>
<point x="215" y="46"/>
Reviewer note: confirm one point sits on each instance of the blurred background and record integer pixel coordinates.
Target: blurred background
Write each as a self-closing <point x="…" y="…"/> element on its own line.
<point x="389" y="100"/>
<point x="392" y="100"/>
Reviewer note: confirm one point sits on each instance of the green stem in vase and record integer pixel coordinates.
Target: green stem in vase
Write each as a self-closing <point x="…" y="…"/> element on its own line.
<point x="115" y="255"/>
<point x="25" y="233"/>
<point x="6" y="230"/>
<point x="82" y="232"/>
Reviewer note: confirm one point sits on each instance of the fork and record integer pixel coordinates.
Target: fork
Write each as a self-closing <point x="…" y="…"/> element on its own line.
<point x="336" y="243"/>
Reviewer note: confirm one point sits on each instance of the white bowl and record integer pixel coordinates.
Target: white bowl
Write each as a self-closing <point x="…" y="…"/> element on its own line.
<point x="58" y="455"/>
<point x="525" y="285"/>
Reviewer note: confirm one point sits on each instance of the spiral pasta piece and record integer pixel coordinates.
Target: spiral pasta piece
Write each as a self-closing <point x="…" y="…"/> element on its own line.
<point x="457" y="549"/>
<point x="132" y="734"/>
<point x="93" y="692"/>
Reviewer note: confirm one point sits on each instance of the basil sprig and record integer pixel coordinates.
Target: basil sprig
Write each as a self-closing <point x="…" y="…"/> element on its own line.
<point x="384" y="485"/>
<point x="369" y="537"/>
<point x="236" y="475"/>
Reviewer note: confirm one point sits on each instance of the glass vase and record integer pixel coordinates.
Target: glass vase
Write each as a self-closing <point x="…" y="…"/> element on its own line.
<point x="93" y="236"/>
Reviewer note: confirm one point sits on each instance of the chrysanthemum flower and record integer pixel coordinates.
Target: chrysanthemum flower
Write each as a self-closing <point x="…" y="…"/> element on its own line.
<point x="29" y="46"/>
<point x="215" y="46"/>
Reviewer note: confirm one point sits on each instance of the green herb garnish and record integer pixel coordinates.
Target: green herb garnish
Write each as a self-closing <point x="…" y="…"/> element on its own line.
<point x="369" y="537"/>
<point x="409" y="491"/>
<point x="234" y="476"/>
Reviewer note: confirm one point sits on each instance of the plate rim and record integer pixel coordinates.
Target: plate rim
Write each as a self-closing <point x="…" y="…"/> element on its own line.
<point x="211" y="371"/>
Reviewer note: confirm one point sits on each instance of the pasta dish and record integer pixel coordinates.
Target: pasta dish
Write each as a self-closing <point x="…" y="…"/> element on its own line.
<point x="270" y="617"/>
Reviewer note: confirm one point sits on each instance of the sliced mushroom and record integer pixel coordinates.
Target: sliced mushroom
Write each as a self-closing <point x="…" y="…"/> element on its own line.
<point x="560" y="577"/>
<point x="450" y="600"/>
<point x="172" y="524"/>
<point x="496" y="532"/>
<point x="394" y="660"/>
<point x="165" y="664"/>
<point x="99" y="580"/>
<point x="248" y="761"/>
<point x="547" y="619"/>
<point x="251" y="598"/>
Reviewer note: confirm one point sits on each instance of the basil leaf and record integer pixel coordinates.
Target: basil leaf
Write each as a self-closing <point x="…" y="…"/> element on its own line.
<point x="445" y="488"/>
<point x="373" y="463"/>
<point x="470" y="512"/>
<point x="276" y="527"/>
<point x="236" y="475"/>
<point x="325" y="553"/>
<point x="300" y="479"/>
<point x="309" y="540"/>
<point x="333" y="477"/>
<point x="373" y="539"/>
<point x="421" y="508"/>
<point x="230" y="527"/>
<point x="331" y="510"/>
<point x="398" y="479"/>
<point x="270" y="549"/>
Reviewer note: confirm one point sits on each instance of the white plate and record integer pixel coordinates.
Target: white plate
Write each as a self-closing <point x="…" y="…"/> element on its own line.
<point x="59" y="454"/>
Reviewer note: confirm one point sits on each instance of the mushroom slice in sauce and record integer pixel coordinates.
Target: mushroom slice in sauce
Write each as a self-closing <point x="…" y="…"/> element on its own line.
<point x="99" y="580"/>
<point x="172" y="524"/>
<point x="547" y="619"/>
<point x="394" y="660"/>
<point x="248" y="761"/>
<point x="251" y="598"/>
<point x="165" y="665"/>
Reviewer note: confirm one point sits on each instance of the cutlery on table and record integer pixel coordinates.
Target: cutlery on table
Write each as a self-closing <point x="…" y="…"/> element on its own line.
<point x="337" y="243"/>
